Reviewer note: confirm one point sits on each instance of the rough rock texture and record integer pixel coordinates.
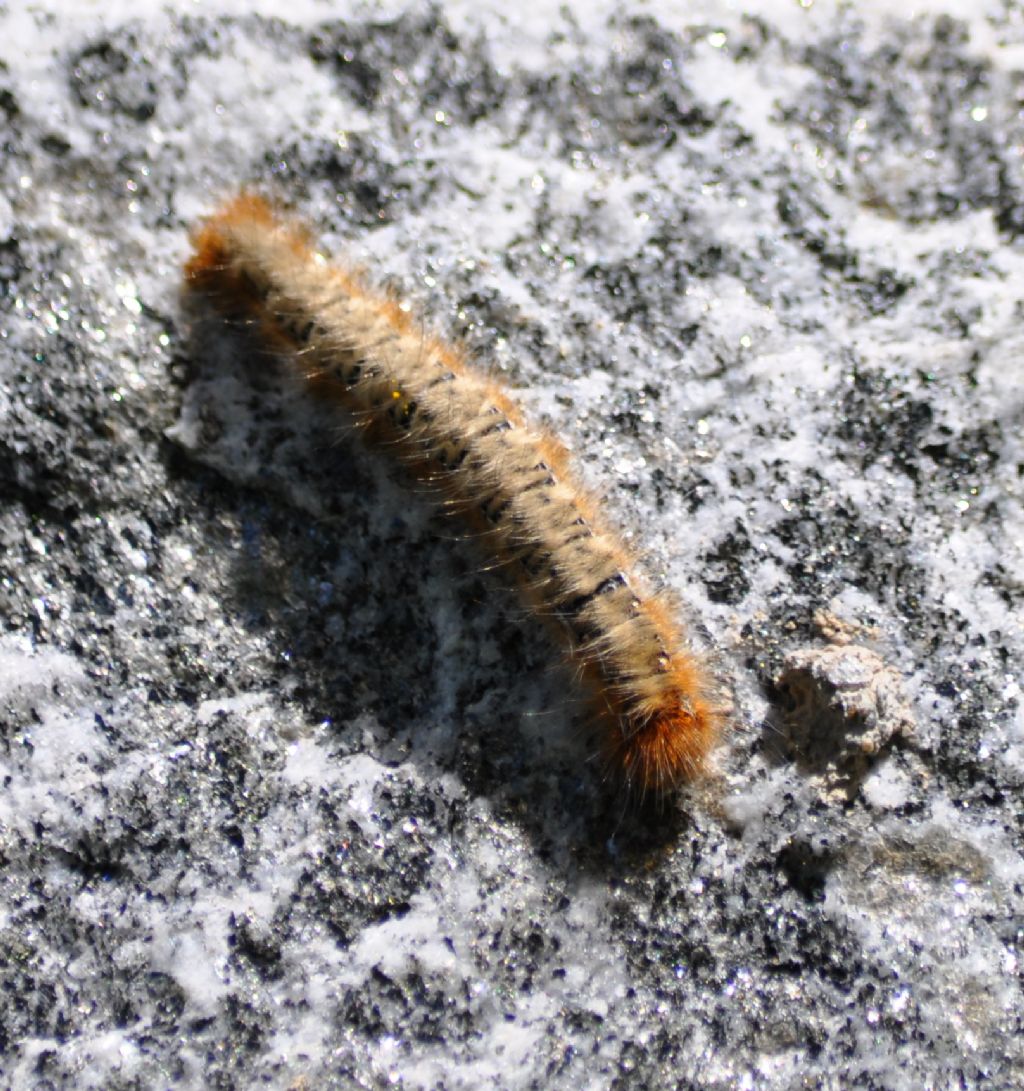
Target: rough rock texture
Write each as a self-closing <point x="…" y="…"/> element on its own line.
<point x="292" y="791"/>
<point x="846" y="705"/>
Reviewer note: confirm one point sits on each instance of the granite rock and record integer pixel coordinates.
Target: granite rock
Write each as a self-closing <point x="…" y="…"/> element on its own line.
<point x="293" y="791"/>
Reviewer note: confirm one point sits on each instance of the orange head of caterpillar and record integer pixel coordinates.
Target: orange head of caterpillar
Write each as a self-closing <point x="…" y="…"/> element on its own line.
<point x="217" y="266"/>
<point x="213" y="250"/>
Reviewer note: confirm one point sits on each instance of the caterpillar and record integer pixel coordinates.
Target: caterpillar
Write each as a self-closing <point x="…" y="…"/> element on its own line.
<point x="458" y="427"/>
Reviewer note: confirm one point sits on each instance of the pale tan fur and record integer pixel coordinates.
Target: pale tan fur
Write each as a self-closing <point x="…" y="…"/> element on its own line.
<point x="458" y="427"/>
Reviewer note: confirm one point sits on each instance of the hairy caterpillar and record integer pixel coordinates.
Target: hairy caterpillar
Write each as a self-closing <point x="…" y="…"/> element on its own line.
<point x="458" y="427"/>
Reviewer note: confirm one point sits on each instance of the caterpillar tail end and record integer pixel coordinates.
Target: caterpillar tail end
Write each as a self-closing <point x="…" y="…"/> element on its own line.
<point x="669" y="750"/>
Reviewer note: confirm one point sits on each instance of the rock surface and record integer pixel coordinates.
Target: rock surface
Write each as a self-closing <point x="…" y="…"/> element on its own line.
<point x="293" y="792"/>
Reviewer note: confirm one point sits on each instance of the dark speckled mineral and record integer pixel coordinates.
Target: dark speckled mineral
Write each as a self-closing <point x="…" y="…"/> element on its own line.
<point x="293" y="791"/>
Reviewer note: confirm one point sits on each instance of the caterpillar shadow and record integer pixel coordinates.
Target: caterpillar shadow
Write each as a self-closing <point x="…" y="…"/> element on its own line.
<point x="385" y="619"/>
